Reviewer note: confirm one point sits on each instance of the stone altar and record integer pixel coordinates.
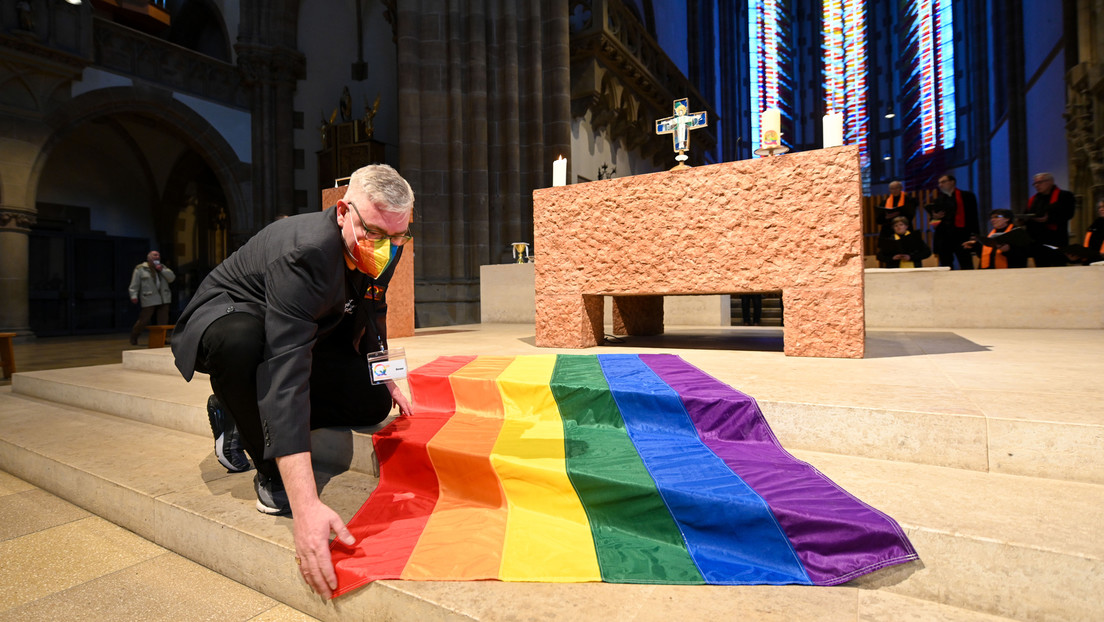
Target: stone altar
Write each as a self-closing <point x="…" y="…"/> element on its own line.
<point x="789" y="223"/>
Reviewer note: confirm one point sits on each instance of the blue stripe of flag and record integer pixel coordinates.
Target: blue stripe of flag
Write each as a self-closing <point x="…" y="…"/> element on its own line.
<point x="729" y="529"/>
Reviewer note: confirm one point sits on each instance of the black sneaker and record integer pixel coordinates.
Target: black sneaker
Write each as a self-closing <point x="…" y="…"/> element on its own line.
<point x="271" y="496"/>
<point x="228" y="447"/>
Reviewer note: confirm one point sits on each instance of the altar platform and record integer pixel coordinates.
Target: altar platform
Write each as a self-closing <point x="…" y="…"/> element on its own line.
<point x="985" y="444"/>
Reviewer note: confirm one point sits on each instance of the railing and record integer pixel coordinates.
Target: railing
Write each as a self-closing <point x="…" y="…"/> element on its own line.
<point x="137" y="54"/>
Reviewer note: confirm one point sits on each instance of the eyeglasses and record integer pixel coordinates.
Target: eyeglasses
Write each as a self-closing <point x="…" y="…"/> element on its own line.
<point x="374" y="234"/>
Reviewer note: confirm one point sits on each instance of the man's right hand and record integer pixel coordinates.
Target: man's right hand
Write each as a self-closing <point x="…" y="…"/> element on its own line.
<point x="314" y="522"/>
<point x="313" y="526"/>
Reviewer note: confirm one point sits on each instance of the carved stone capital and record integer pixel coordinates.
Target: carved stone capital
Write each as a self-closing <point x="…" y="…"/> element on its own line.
<point x="12" y="219"/>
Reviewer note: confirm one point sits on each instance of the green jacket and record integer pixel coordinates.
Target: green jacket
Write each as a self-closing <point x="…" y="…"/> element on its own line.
<point x="150" y="287"/>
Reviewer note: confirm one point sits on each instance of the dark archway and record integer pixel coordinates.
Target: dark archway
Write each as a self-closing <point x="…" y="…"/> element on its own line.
<point x="110" y="184"/>
<point x="200" y="222"/>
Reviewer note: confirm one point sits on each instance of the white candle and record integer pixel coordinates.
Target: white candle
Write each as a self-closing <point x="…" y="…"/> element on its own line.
<point x="833" y="129"/>
<point x="771" y="121"/>
<point x="559" y="171"/>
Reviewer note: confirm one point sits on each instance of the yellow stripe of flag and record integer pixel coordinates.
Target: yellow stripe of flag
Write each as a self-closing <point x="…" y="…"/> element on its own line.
<point x="547" y="529"/>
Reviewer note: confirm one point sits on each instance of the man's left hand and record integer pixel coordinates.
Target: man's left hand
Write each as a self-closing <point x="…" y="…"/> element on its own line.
<point x="399" y="399"/>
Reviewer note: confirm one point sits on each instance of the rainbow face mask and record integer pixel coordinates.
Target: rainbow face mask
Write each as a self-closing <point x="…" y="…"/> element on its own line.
<point x="371" y="256"/>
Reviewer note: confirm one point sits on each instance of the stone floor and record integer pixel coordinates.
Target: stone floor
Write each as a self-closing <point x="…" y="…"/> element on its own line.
<point x="102" y="571"/>
<point x="62" y="563"/>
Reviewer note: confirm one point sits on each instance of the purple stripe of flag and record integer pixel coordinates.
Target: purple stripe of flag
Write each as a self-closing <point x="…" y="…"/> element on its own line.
<point x="836" y="536"/>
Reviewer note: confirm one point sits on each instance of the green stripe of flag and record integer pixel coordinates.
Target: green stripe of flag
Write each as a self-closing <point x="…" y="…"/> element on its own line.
<point x="636" y="539"/>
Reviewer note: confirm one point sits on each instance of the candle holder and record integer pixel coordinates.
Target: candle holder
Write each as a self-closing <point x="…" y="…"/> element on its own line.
<point x="770" y="151"/>
<point x="771" y="144"/>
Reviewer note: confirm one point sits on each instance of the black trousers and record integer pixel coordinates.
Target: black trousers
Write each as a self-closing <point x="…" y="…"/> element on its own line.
<point x="948" y="246"/>
<point x="747" y="302"/>
<point x="341" y="390"/>
<point x="144" y="317"/>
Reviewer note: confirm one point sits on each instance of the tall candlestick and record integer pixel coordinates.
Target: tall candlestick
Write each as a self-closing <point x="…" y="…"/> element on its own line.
<point x="559" y="171"/>
<point x="833" y="129"/>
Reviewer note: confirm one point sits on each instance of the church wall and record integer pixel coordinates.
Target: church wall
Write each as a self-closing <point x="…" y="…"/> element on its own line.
<point x="232" y="124"/>
<point x="590" y="150"/>
<point x="95" y="168"/>
<point x="328" y="39"/>
<point x="1042" y="21"/>
<point x="93" y="79"/>
<point x="1044" y="76"/>
<point x="231" y="15"/>
<point x="671" y="29"/>
<point x="1046" y="128"/>
<point x="999" y="191"/>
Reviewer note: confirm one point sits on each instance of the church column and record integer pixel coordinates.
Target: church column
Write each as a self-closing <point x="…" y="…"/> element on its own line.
<point x="271" y="73"/>
<point x="485" y="103"/>
<point x="14" y="307"/>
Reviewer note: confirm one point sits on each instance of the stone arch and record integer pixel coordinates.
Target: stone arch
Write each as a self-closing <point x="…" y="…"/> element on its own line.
<point x="191" y="128"/>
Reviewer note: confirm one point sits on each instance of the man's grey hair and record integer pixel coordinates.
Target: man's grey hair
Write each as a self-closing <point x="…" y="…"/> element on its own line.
<point x="384" y="187"/>
<point x="1044" y="175"/>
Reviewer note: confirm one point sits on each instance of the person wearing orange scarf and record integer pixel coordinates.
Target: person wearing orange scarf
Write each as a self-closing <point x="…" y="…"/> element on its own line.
<point x="1049" y="212"/>
<point x="896" y="204"/>
<point x="954" y="215"/>
<point x="1006" y="246"/>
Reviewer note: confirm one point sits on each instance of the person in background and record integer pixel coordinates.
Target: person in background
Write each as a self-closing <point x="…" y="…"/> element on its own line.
<point x="954" y="215"/>
<point x="1006" y="246"/>
<point x="1049" y="212"/>
<point x="902" y="248"/>
<point x="751" y="306"/>
<point x="149" y="286"/>
<point x="897" y="204"/>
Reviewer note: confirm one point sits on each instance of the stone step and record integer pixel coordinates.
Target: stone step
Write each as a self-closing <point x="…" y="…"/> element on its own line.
<point x="991" y="545"/>
<point x="166" y="400"/>
<point x="811" y="416"/>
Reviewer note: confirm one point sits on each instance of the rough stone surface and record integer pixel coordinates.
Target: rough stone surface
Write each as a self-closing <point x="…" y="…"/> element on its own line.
<point x="789" y="223"/>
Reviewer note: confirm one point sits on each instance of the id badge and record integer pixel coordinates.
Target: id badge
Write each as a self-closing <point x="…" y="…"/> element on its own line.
<point x="387" y="365"/>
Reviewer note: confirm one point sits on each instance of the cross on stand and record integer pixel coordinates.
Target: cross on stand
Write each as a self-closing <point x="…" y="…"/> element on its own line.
<point x="679" y="127"/>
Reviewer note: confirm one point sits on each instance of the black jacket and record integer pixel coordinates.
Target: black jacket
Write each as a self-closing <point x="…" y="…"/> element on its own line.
<point x="292" y="275"/>
<point x="949" y="204"/>
<point x="912" y="245"/>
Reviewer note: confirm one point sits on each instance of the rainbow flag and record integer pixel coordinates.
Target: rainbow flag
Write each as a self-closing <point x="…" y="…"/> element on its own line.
<point x="616" y="467"/>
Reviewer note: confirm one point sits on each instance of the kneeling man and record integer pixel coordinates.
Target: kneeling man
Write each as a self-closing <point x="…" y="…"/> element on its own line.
<point x="283" y="327"/>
